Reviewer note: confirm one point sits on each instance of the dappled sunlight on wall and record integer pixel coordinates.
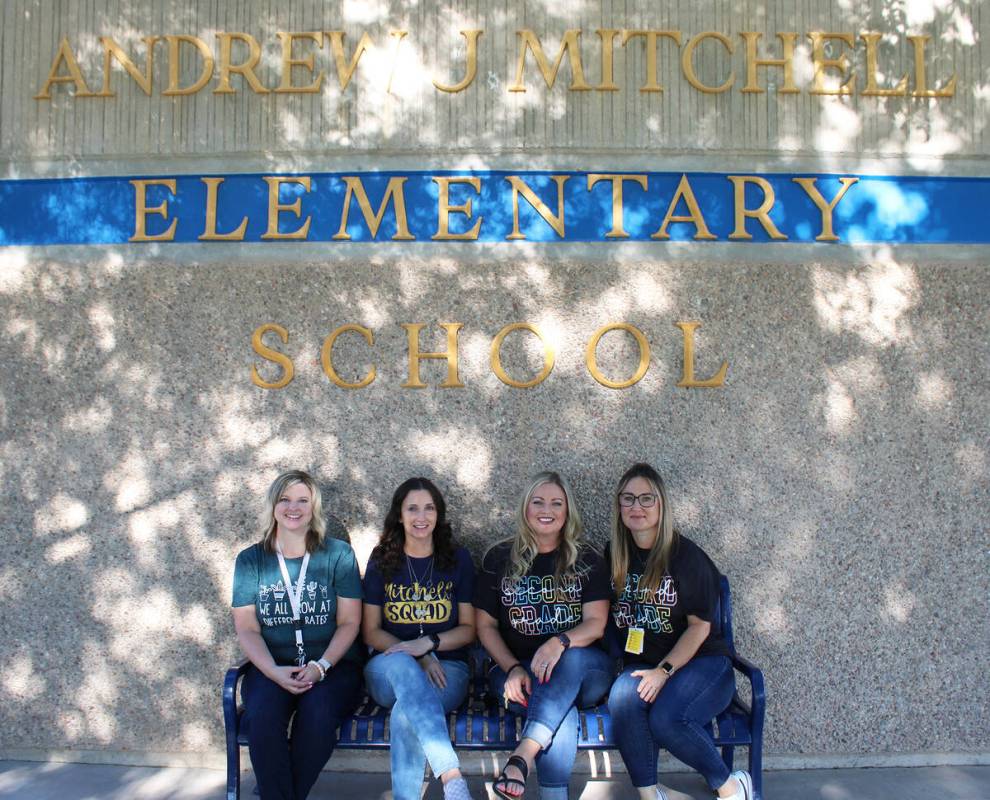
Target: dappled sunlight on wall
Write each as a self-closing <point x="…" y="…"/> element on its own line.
<point x="871" y="302"/>
<point x="151" y="477"/>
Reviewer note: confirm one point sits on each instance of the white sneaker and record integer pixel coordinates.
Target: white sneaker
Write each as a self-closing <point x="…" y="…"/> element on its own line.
<point x="746" y="782"/>
<point x="661" y="794"/>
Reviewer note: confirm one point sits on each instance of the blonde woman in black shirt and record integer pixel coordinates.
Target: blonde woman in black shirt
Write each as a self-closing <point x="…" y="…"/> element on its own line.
<point x="541" y="607"/>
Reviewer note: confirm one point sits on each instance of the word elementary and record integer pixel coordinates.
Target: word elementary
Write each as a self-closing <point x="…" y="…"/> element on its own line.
<point x="833" y="58"/>
<point x="494" y="206"/>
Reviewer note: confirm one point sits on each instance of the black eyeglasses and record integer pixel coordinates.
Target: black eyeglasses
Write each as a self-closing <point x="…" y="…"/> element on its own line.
<point x="628" y="500"/>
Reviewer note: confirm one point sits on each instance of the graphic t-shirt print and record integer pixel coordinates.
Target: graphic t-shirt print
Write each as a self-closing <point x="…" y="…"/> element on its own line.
<point x="274" y="608"/>
<point x="539" y="605"/>
<point x="640" y="608"/>
<point x="425" y="605"/>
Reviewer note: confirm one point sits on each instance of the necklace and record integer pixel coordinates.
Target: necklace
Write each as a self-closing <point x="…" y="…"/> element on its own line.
<point x="419" y="590"/>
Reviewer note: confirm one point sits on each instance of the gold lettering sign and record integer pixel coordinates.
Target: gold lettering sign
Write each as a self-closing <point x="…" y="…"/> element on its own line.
<point x="141" y="211"/>
<point x="240" y="53"/>
<point x="326" y="357"/>
<point x="288" y="369"/>
<point x="452" y="380"/>
<point x="496" y="357"/>
<point x="688" y="379"/>
<point x="591" y="360"/>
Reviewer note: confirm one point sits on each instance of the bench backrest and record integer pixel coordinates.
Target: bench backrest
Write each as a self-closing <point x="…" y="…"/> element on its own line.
<point x="723" y="612"/>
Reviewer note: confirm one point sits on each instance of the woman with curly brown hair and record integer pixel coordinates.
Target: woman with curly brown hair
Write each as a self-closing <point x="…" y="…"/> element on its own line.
<point x="418" y="616"/>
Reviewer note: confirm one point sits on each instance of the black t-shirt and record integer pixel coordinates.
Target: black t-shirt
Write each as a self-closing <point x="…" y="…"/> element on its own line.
<point x="424" y="605"/>
<point x="538" y="606"/>
<point x="691" y="586"/>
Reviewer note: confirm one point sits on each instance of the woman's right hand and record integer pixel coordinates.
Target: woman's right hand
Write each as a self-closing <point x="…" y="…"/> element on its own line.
<point x="290" y="679"/>
<point x="430" y="664"/>
<point x="518" y="686"/>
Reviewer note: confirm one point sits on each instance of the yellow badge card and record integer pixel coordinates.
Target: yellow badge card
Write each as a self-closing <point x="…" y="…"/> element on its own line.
<point x="634" y="641"/>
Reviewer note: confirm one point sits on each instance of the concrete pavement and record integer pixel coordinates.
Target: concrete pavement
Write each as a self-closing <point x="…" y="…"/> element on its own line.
<point x="62" y="781"/>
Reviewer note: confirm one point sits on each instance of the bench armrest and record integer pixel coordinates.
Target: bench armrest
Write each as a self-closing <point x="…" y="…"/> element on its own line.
<point x="230" y="680"/>
<point x="755" y="676"/>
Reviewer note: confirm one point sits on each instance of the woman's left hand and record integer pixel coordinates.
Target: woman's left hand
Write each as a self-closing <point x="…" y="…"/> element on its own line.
<point x="310" y="673"/>
<point x="414" y="647"/>
<point x="651" y="682"/>
<point x="434" y="670"/>
<point x="546" y="658"/>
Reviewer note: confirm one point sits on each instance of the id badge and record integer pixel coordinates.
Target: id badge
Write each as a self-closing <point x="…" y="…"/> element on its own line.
<point x="634" y="641"/>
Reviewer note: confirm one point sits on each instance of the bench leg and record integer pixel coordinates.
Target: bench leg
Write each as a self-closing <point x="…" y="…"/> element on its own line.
<point x="756" y="767"/>
<point x="233" y="770"/>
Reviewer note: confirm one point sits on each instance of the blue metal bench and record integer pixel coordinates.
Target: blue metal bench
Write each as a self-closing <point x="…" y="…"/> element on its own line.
<point x="482" y="723"/>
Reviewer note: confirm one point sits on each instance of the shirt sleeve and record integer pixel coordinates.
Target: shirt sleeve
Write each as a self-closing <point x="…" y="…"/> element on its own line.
<point x="698" y="584"/>
<point x="373" y="585"/>
<point x="597" y="585"/>
<point x="486" y="594"/>
<point x="465" y="577"/>
<point x="346" y="578"/>
<point x="245" y="579"/>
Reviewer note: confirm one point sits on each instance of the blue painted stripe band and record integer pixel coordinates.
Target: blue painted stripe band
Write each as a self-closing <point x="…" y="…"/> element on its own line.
<point x="876" y="209"/>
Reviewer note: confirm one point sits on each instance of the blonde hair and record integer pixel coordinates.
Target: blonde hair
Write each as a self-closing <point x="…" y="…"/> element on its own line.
<point x="622" y="541"/>
<point x="524" y="550"/>
<point x="317" y="525"/>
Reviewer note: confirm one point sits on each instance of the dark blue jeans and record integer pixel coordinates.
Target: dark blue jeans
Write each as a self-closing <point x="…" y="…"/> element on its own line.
<point x="675" y="721"/>
<point x="287" y="769"/>
<point x="580" y="679"/>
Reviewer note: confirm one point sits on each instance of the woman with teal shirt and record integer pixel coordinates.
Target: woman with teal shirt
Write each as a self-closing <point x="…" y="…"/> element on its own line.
<point x="297" y="612"/>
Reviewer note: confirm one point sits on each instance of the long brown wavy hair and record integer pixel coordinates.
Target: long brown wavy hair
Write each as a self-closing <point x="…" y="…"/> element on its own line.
<point x="388" y="553"/>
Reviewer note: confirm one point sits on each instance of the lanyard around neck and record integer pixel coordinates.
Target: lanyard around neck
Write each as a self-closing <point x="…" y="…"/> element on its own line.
<point x="295" y="598"/>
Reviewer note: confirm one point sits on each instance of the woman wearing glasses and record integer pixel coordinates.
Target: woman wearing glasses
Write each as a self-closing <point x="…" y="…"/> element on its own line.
<point x="418" y="616"/>
<point x="676" y="670"/>
<point x="541" y="607"/>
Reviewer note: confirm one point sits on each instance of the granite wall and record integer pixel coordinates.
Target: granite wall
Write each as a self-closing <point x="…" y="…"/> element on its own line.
<point x="840" y="477"/>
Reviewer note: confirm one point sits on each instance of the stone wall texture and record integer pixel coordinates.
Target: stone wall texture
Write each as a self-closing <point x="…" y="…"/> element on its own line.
<point x="840" y="478"/>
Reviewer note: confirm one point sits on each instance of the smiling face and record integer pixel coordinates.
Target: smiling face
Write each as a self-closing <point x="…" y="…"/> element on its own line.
<point x="546" y="513"/>
<point x="418" y="516"/>
<point x="294" y="510"/>
<point x="643" y="523"/>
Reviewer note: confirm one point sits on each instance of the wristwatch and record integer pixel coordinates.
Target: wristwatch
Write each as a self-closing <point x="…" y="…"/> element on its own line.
<point x="436" y="642"/>
<point x="667" y="667"/>
<point x="564" y="640"/>
<point x="327" y="666"/>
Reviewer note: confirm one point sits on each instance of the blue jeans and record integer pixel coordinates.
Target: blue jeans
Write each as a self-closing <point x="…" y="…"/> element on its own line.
<point x="675" y="721"/>
<point x="419" y="717"/>
<point x="580" y="679"/>
<point x="284" y="769"/>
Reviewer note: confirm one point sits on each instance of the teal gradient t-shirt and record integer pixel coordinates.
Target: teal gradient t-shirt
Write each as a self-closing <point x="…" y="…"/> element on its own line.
<point x="258" y="581"/>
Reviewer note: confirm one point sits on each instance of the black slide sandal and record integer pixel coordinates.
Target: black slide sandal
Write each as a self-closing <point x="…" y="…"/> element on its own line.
<point x="520" y="764"/>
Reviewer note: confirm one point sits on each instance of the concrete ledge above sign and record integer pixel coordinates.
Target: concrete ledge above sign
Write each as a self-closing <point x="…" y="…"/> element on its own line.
<point x="495" y="206"/>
